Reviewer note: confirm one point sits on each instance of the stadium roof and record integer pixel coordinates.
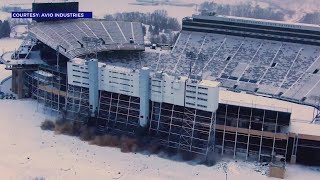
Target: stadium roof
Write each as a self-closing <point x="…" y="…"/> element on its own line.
<point x="262" y="22"/>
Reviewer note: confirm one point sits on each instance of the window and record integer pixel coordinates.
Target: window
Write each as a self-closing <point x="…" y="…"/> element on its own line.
<point x="190" y="97"/>
<point x="191" y="86"/>
<point x="156" y="91"/>
<point x="202" y="106"/>
<point x="124" y="84"/>
<point x="192" y="104"/>
<point x="202" y="99"/>
<point x="193" y="92"/>
<point x="315" y="71"/>
<point x="203" y="88"/>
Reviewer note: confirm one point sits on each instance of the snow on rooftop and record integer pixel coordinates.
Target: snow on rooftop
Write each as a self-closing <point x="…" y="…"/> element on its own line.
<point x="305" y="128"/>
<point x="78" y="61"/>
<point x="210" y="83"/>
<point x="299" y="112"/>
<point x="43" y="73"/>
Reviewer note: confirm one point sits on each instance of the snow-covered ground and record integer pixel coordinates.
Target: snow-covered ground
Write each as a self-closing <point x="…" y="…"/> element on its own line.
<point x="19" y="31"/>
<point x="28" y="152"/>
<point x="4" y="15"/>
<point x="9" y="44"/>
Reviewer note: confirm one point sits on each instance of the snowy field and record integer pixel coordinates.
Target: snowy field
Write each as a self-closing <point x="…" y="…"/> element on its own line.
<point x="9" y="44"/>
<point x="29" y="152"/>
<point x="4" y="15"/>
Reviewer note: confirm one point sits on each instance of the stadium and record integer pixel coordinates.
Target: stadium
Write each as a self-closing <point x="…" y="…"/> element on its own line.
<point x="236" y="86"/>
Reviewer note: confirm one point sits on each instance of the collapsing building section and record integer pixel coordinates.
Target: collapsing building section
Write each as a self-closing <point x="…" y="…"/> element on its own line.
<point x="172" y="96"/>
<point x="182" y="113"/>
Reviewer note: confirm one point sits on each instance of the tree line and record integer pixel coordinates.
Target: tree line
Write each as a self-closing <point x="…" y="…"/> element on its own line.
<point x="160" y="26"/>
<point x="159" y="19"/>
<point x="4" y="29"/>
<point x="311" y="18"/>
<point x="243" y="10"/>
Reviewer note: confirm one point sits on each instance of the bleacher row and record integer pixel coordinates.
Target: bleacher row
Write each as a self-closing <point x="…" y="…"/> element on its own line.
<point x="113" y="35"/>
<point x="275" y="68"/>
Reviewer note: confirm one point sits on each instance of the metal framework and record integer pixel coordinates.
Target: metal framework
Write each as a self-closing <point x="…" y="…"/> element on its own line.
<point x="252" y="133"/>
<point x="237" y="131"/>
<point x="47" y="90"/>
<point x="182" y="127"/>
<point x="77" y="106"/>
<point x="118" y="112"/>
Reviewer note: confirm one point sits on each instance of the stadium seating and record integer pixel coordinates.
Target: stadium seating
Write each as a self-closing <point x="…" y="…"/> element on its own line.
<point x="281" y="69"/>
<point x="69" y="34"/>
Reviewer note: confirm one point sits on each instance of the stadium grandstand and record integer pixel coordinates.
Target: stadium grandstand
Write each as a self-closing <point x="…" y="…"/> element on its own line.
<point x="111" y="35"/>
<point x="206" y="94"/>
<point x="257" y="56"/>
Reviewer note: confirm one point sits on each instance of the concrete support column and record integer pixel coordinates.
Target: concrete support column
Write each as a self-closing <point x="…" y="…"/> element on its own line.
<point x="93" y="86"/>
<point x="144" y="91"/>
<point x="17" y="82"/>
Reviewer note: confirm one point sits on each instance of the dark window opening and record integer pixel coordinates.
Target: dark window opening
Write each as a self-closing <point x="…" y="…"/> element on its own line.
<point x="315" y="71"/>
<point x="273" y="64"/>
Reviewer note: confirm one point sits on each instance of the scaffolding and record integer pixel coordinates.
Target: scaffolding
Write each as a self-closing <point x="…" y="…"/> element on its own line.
<point x="182" y="128"/>
<point x="77" y="105"/>
<point x="233" y="130"/>
<point x="49" y="90"/>
<point x="118" y="112"/>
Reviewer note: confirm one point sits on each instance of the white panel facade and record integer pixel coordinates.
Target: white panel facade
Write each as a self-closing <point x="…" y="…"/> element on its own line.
<point x="169" y="89"/>
<point x="119" y="80"/>
<point x="199" y="94"/>
<point x="78" y="74"/>
<point x="111" y="78"/>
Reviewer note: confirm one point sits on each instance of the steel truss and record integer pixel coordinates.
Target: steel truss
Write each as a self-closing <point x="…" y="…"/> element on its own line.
<point x="77" y="106"/>
<point x="118" y="112"/>
<point x="182" y="128"/>
<point x="255" y="134"/>
<point x="47" y="91"/>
